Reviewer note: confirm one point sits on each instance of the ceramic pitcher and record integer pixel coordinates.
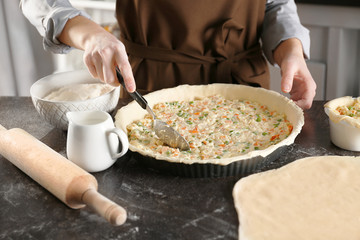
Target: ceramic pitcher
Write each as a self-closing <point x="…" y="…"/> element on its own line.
<point x="93" y="142"/>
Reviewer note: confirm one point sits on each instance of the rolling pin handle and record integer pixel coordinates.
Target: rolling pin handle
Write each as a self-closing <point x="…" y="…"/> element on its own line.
<point x="106" y="208"/>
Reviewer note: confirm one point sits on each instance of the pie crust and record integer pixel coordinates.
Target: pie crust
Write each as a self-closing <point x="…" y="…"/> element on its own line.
<point x="273" y="100"/>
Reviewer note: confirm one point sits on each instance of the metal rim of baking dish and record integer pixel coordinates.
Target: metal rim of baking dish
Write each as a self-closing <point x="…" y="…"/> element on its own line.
<point x="240" y="168"/>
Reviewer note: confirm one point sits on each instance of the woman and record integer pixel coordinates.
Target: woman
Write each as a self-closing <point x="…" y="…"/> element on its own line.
<point x="166" y="43"/>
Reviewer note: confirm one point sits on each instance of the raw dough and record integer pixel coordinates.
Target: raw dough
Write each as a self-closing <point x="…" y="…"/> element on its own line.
<point x="314" y="198"/>
<point x="79" y="92"/>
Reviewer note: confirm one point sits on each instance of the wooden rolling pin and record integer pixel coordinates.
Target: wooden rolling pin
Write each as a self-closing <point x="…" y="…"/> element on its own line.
<point x="68" y="182"/>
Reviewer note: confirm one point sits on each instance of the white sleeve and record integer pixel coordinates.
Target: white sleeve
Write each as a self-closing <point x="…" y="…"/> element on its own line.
<point x="49" y="17"/>
<point x="282" y="22"/>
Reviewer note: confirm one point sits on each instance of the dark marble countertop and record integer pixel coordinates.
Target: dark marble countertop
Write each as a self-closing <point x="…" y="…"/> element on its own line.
<point x="159" y="206"/>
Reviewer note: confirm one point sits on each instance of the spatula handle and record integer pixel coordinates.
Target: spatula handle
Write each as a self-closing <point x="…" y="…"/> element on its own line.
<point x="135" y="95"/>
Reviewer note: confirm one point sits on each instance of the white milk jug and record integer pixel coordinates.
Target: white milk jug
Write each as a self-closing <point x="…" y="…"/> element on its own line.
<point x="93" y="142"/>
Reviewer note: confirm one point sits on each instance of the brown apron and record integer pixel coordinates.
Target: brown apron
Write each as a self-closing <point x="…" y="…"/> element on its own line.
<point x="173" y="42"/>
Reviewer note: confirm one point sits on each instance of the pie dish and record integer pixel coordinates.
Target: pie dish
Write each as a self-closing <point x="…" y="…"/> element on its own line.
<point x="214" y="167"/>
<point x="344" y="128"/>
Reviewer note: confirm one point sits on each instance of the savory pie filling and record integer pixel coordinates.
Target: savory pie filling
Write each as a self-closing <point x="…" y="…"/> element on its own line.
<point x="214" y="127"/>
<point x="351" y="110"/>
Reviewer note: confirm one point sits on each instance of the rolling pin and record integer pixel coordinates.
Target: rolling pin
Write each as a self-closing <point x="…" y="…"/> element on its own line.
<point x="64" y="179"/>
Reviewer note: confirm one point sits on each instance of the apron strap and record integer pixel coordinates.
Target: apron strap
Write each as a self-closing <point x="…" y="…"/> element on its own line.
<point x="224" y="64"/>
<point x="163" y="54"/>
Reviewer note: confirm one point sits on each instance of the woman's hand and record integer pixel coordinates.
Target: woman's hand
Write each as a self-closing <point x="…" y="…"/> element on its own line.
<point x="295" y="76"/>
<point x="102" y="51"/>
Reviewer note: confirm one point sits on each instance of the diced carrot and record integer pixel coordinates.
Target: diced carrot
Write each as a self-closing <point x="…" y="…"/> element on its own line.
<point x="274" y="137"/>
<point x="290" y="127"/>
<point x="195" y="130"/>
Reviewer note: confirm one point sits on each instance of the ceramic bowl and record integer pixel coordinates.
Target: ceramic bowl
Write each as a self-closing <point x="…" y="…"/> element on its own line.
<point x="54" y="112"/>
<point x="344" y="130"/>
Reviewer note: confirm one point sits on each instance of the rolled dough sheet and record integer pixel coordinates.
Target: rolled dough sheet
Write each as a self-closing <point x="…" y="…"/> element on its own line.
<point x="313" y="198"/>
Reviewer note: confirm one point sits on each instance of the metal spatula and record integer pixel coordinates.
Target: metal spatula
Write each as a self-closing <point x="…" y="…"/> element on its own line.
<point x="166" y="133"/>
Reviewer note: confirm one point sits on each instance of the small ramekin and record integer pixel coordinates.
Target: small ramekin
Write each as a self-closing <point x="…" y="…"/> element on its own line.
<point x="344" y="130"/>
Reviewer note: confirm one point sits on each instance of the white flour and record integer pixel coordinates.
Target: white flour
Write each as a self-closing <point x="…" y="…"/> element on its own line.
<point x="79" y="92"/>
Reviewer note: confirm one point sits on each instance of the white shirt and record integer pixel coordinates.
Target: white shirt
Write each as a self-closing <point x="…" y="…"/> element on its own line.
<point x="281" y="22"/>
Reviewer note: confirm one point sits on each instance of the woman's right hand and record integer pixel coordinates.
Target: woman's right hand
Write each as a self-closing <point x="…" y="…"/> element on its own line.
<point x="102" y="51"/>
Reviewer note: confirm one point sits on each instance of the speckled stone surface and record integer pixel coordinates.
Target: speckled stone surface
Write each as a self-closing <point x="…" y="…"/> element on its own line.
<point x="159" y="206"/>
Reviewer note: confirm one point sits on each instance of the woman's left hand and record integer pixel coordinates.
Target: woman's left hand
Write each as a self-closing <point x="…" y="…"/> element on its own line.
<point x="295" y="76"/>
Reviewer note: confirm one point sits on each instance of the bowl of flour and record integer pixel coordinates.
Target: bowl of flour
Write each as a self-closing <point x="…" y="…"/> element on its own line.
<point x="56" y="94"/>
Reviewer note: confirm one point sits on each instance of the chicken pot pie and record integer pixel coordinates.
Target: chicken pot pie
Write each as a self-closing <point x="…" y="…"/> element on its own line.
<point x="344" y="121"/>
<point x="223" y="123"/>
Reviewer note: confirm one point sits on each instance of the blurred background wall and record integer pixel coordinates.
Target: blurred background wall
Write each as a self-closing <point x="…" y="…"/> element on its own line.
<point x="22" y="58"/>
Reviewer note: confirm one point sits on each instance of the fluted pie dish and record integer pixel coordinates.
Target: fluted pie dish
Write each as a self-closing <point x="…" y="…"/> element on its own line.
<point x="232" y="129"/>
